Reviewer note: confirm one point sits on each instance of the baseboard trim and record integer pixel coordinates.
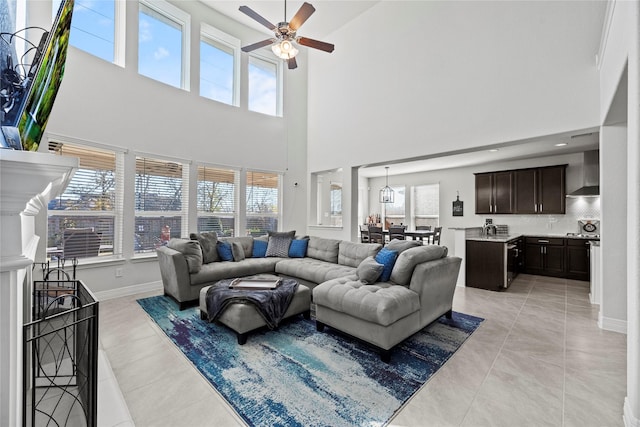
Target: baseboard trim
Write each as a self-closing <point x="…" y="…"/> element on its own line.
<point x="128" y="290"/>
<point x="613" y="325"/>
<point x="630" y="420"/>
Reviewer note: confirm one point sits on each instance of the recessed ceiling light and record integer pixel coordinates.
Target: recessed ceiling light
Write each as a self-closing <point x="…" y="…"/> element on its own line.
<point x="560" y="144"/>
<point x="493" y="150"/>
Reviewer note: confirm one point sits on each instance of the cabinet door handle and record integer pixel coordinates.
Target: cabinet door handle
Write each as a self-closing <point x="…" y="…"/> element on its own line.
<point x="535" y="207"/>
<point x="542" y="249"/>
<point x="540" y="207"/>
<point x="543" y="241"/>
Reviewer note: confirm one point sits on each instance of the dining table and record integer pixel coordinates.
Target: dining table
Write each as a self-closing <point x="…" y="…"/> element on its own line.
<point x="416" y="234"/>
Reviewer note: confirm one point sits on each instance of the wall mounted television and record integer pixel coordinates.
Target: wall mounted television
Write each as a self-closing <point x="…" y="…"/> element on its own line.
<point x="41" y="84"/>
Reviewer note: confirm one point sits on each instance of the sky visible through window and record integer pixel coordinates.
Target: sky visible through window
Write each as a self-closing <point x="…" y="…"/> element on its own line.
<point x="216" y="72"/>
<point x="93" y="26"/>
<point x="159" y="47"/>
<point x="263" y="86"/>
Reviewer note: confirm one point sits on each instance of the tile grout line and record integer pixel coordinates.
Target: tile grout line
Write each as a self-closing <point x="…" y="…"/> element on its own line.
<point x="475" y="396"/>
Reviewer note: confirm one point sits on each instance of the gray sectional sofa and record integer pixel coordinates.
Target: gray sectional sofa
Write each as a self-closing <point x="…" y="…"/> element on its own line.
<point x="419" y="290"/>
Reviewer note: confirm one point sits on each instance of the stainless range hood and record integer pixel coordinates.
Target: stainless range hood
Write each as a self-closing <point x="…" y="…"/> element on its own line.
<point x="590" y="176"/>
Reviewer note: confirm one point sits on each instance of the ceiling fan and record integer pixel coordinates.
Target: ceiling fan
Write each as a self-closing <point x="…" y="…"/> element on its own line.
<point x="285" y="34"/>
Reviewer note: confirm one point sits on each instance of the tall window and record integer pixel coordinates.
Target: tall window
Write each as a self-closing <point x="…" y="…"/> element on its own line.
<point x="426" y="205"/>
<point x="160" y="202"/>
<point x="163" y="43"/>
<point x="263" y="202"/>
<point x="83" y="221"/>
<point x="264" y="87"/>
<point x="219" y="63"/>
<point x="93" y="26"/>
<point x="395" y="212"/>
<point x="217" y="200"/>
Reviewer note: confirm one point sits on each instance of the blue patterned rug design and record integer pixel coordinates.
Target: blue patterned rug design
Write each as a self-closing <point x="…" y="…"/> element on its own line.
<point x="296" y="376"/>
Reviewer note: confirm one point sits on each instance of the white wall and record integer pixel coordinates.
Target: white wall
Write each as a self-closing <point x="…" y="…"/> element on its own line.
<point x="415" y="78"/>
<point x="462" y="180"/>
<point x="110" y="105"/>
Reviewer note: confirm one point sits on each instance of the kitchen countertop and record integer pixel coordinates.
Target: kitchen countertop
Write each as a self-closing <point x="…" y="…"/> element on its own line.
<point x="504" y="238"/>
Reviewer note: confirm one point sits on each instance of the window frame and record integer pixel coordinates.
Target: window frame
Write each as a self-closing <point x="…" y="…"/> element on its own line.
<point x="279" y="82"/>
<point x="181" y="18"/>
<point x="214" y="35"/>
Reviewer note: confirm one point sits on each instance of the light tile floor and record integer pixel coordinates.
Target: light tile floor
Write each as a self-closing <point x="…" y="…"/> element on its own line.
<point x="539" y="359"/>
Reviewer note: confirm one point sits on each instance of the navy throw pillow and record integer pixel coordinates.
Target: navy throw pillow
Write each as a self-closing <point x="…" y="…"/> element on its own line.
<point x="298" y="248"/>
<point x="224" y="251"/>
<point x="259" y="248"/>
<point x="387" y="258"/>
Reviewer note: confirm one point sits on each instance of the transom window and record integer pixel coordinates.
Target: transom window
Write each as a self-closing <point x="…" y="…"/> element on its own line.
<point x="219" y="65"/>
<point x="264" y="86"/>
<point x="217" y="200"/>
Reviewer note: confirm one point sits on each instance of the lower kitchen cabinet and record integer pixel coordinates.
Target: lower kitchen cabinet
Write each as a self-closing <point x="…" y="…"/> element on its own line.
<point x="491" y="265"/>
<point x="544" y="256"/>
<point x="578" y="259"/>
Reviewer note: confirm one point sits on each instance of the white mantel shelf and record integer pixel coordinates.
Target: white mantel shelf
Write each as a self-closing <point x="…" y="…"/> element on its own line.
<point x="28" y="181"/>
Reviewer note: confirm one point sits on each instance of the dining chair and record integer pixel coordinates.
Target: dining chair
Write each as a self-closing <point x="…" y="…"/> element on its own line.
<point x="397" y="232"/>
<point x="364" y="233"/>
<point x="376" y="235"/>
<point x="435" y="240"/>
<point x="423" y="227"/>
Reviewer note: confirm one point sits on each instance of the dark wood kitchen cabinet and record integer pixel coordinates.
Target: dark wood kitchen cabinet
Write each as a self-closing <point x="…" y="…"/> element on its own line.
<point x="544" y="256"/>
<point x="485" y="265"/>
<point x="494" y="193"/>
<point x="578" y="259"/>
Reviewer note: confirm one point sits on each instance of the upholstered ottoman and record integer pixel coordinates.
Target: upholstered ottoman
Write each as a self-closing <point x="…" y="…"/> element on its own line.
<point x="379" y="314"/>
<point x="244" y="318"/>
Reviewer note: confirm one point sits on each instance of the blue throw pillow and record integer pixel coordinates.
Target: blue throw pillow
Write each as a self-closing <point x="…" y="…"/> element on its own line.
<point x="387" y="258"/>
<point x="259" y="248"/>
<point x="298" y="248"/>
<point x="224" y="251"/>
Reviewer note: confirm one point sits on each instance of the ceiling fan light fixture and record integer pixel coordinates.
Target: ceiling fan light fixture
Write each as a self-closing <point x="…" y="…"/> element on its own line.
<point x="284" y="49"/>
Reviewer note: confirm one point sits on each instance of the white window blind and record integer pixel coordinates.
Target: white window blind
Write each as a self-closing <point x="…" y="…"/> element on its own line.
<point x="217" y="200"/>
<point x="161" y="194"/>
<point x="85" y="221"/>
<point x="426" y="205"/>
<point x="263" y="202"/>
<point x="395" y="212"/>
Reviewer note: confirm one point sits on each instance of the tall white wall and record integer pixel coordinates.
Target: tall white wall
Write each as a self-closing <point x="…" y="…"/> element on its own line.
<point x="414" y="78"/>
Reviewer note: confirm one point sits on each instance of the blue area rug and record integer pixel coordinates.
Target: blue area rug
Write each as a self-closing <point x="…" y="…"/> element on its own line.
<point x="296" y="376"/>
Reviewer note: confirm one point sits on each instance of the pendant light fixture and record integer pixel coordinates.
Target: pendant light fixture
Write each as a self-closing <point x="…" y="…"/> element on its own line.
<point x="386" y="192"/>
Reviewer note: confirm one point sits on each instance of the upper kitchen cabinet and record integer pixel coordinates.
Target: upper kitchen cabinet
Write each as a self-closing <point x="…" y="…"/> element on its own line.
<point x="494" y="193"/>
<point x="540" y="190"/>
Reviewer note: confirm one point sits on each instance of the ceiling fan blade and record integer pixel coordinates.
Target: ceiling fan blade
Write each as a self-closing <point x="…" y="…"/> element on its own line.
<point x="293" y="64"/>
<point x="258" y="45"/>
<point x="316" y="44"/>
<point x="305" y="11"/>
<point x="253" y="14"/>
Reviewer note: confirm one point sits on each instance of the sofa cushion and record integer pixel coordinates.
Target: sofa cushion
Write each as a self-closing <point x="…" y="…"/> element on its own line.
<point x="259" y="248"/>
<point x="246" y="241"/>
<point x="407" y="261"/>
<point x="278" y="246"/>
<point x="225" y="252"/>
<point x="191" y="251"/>
<point x="290" y="234"/>
<point x="352" y="254"/>
<point x="298" y="248"/>
<point x="312" y="270"/>
<point x="369" y="271"/>
<point x="237" y="251"/>
<point x="381" y="303"/>
<point x="208" y="243"/>
<point x="387" y="258"/>
<point x="211" y="273"/>
<point x="401" y="245"/>
<point x="323" y="249"/>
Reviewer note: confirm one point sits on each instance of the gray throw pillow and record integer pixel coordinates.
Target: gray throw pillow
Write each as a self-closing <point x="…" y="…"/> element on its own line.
<point x="278" y="246"/>
<point x="208" y="243"/>
<point x="237" y="251"/>
<point x="401" y="245"/>
<point x="289" y="234"/>
<point x="191" y="251"/>
<point x="369" y="271"/>
<point x="407" y="261"/>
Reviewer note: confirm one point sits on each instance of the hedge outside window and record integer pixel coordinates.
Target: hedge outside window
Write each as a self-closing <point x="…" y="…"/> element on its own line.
<point x="85" y="220"/>
<point x="217" y="200"/>
<point x="161" y="194"/>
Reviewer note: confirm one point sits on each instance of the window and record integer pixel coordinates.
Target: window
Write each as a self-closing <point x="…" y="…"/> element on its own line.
<point x="83" y="221"/>
<point x="219" y="66"/>
<point x="163" y="47"/>
<point x="217" y="200"/>
<point x="395" y="212"/>
<point x="263" y="202"/>
<point x="160" y="202"/>
<point x="93" y="26"/>
<point x="426" y="205"/>
<point x="264" y="87"/>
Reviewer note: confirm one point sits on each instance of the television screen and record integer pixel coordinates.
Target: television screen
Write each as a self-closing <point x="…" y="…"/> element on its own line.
<point x="46" y="78"/>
